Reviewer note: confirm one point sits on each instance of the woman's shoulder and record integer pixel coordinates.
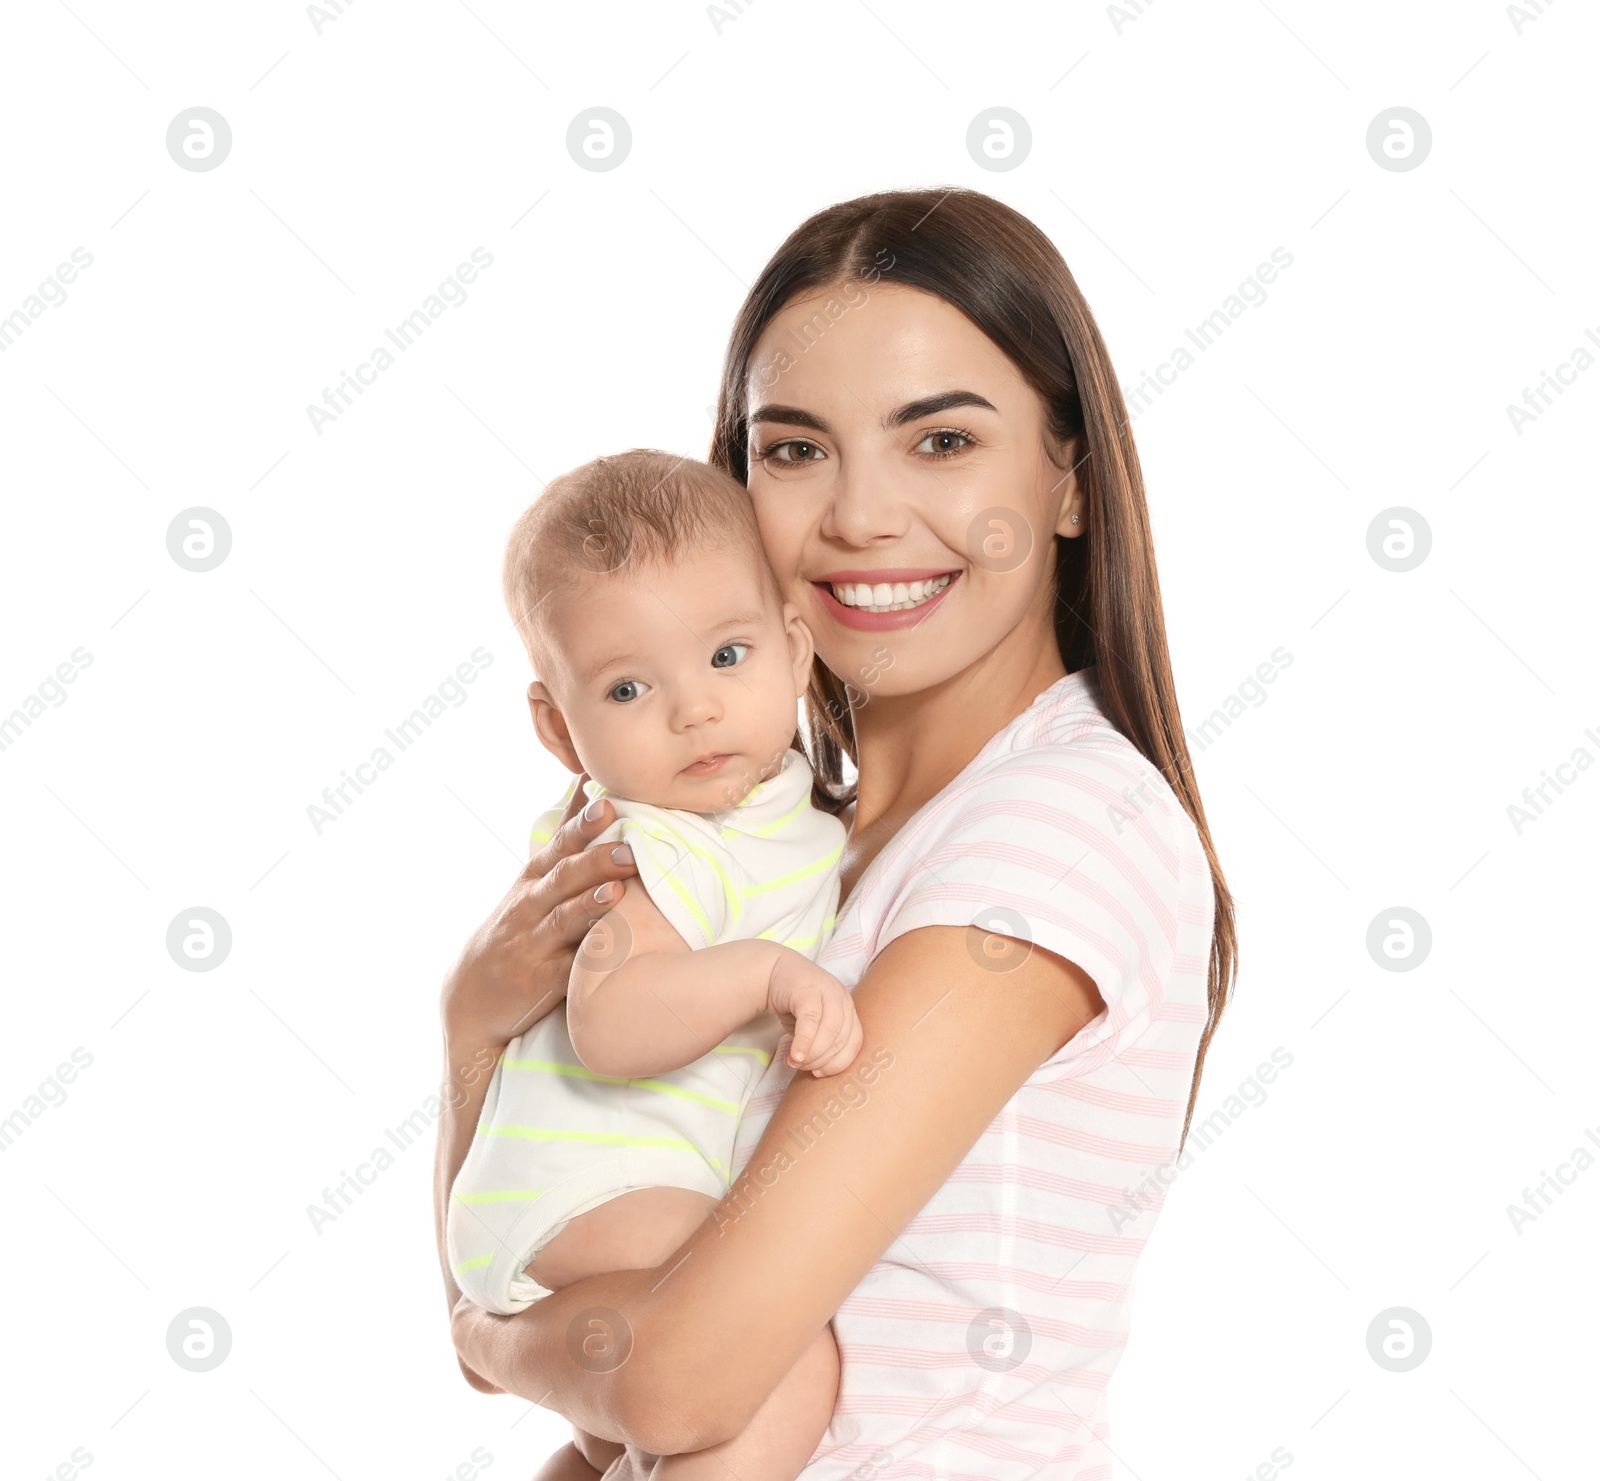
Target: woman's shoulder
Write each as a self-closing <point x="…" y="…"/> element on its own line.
<point x="1062" y="834"/>
<point x="1062" y="767"/>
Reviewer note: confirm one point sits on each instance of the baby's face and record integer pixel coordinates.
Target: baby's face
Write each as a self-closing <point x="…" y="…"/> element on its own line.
<point x="666" y="666"/>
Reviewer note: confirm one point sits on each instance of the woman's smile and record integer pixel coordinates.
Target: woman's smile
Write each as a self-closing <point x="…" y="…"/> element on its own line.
<point x="883" y="599"/>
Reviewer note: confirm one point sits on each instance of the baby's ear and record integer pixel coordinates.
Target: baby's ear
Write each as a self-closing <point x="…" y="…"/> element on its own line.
<point x="802" y="647"/>
<point x="551" y="727"/>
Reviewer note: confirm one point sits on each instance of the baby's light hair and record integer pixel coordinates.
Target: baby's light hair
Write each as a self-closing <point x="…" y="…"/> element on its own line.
<point x="616" y="515"/>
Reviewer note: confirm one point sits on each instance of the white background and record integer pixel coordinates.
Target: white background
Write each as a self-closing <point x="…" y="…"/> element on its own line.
<point x="1172" y="151"/>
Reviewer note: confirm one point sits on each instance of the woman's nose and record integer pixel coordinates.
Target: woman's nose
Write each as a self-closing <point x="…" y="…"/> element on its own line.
<point x="865" y="504"/>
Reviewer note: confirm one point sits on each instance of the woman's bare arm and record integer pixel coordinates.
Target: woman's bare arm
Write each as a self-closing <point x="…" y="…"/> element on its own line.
<point x="512" y="972"/>
<point x="680" y="1357"/>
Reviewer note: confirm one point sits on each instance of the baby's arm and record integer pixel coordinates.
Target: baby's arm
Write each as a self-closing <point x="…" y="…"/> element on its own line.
<point x="663" y="1006"/>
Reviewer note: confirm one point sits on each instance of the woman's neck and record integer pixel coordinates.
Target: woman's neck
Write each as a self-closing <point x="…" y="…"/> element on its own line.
<point x="910" y="747"/>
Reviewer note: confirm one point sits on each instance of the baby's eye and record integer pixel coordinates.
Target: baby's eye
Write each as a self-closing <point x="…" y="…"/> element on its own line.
<point x="717" y="657"/>
<point x="803" y="451"/>
<point x="627" y="684"/>
<point x="947" y="442"/>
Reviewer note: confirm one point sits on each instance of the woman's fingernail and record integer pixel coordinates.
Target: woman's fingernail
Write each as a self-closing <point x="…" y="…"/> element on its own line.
<point x="602" y="896"/>
<point x="592" y="811"/>
<point x="622" y="854"/>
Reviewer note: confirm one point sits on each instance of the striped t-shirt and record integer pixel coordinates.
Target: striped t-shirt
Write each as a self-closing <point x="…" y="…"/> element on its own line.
<point x="556" y="1139"/>
<point x="979" y="1347"/>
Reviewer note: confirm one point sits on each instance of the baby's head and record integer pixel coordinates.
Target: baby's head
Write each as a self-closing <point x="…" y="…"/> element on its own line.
<point x="657" y="631"/>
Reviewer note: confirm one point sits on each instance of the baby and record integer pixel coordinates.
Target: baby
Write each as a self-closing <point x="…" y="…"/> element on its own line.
<point x="669" y="669"/>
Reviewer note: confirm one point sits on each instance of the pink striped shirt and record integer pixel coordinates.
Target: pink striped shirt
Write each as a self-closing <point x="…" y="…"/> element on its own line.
<point x="980" y="1346"/>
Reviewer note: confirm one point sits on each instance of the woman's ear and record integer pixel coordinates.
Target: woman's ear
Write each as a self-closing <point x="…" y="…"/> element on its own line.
<point x="802" y="648"/>
<point x="1072" y="518"/>
<point x="551" y="727"/>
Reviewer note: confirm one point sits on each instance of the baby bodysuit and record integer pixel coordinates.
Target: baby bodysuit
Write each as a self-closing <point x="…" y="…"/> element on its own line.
<point x="555" y="1139"/>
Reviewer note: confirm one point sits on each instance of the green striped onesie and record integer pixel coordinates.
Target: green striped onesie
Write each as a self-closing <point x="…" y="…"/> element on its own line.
<point x="556" y="1139"/>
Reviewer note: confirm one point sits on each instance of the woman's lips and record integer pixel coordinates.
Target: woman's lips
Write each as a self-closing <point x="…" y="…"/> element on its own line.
<point x="865" y="621"/>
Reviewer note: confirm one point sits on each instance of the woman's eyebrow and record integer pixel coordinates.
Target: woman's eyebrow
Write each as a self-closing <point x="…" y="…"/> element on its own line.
<point x="790" y="415"/>
<point x="793" y="416"/>
<point x="914" y="410"/>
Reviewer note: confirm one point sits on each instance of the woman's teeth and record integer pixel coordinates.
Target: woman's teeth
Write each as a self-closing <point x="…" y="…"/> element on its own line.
<point x="888" y="596"/>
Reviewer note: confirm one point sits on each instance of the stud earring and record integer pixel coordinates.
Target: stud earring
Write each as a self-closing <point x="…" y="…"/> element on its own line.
<point x="1074" y="519"/>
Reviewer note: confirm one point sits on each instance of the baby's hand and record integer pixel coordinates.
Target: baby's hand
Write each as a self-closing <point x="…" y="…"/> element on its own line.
<point x="827" y="1033"/>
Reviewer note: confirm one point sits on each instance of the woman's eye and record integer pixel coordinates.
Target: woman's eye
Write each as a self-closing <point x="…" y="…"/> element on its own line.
<point x="618" y="691"/>
<point x="803" y="451"/>
<point x="717" y="660"/>
<point x="946" y="443"/>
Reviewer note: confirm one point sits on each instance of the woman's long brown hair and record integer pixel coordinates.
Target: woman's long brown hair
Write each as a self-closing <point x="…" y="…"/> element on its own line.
<point x="1005" y="275"/>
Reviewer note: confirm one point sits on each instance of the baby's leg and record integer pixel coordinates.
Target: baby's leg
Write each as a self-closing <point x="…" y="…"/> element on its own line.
<point x="633" y="1231"/>
<point x="784" y="1433"/>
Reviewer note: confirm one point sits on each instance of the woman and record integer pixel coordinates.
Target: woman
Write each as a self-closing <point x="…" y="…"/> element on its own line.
<point x="1033" y="920"/>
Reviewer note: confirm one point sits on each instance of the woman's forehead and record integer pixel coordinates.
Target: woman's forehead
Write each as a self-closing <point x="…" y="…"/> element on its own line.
<point x="894" y="347"/>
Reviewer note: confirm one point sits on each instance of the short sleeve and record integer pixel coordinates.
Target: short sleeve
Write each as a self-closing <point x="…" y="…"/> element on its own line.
<point x="1074" y="849"/>
<point x="682" y="873"/>
<point x="546" y="824"/>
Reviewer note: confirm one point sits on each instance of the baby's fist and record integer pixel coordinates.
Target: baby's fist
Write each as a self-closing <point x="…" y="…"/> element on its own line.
<point x="827" y="1033"/>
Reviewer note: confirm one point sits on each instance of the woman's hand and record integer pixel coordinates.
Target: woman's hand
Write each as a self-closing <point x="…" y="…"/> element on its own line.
<point x="514" y="970"/>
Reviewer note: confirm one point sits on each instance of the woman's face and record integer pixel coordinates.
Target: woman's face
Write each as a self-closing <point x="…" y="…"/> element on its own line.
<point x="892" y="442"/>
